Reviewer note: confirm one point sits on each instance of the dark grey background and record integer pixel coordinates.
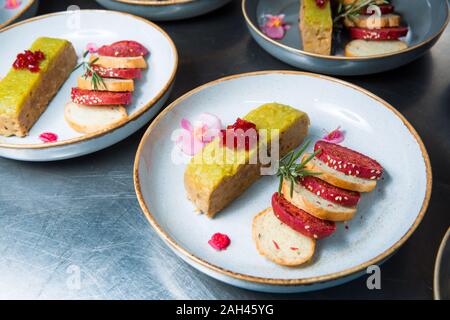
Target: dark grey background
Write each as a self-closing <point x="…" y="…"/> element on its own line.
<point x="83" y="212"/>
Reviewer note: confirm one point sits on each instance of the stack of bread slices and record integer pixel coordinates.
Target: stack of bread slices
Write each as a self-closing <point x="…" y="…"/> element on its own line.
<point x="376" y="30"/>
<point x="99" y="104"/>
<point x="287" y="232"/>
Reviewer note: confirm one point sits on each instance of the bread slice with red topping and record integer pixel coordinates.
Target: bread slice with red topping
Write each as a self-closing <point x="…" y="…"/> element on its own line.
<point x="378" y="34"/>
<point x="340" y="179"/>
<point x="300" y="220"/>
<point x="365" y="21"/>
<point x="119" y="62"/>
<point x="118" y="73"/>
<point x="100" y="98"/>
<point x="280" y="243"/>
<point x="316" y="205"/>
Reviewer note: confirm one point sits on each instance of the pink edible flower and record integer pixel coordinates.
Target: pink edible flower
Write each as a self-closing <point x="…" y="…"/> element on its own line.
<point x="335" y="136"/>
<point x="274" y="26"/>
<point x="47" y="137"/>
<point x="91" y="47"/>
<point x="194" y="136"/>
<point x="219" y="241"/>
<point x="12" y="4"/>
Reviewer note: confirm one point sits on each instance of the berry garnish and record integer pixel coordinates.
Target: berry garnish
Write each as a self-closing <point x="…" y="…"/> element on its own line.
<point x="29" y="60"/>
<point x="243" y="133"/>
<point x="219" y="241"/>
<point x="47" y="137"/>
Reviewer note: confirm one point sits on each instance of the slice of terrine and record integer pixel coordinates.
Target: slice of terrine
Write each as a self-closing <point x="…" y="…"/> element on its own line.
<point x="25" y="93"/>
<point x="215" y="176"/>
<point x="316" y="26"/>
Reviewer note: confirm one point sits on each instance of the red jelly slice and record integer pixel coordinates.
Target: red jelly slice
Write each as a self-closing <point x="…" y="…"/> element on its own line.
<point x="378" y="34"/>
<point x="119" y="73"/>
<point x="329" y="192"/>
<point x="99" y="98"/>
<point x="29" y="60"/>
<point x="125" y="48"/>
<point x="300" y="220"/>
<point x="347" y="161"/>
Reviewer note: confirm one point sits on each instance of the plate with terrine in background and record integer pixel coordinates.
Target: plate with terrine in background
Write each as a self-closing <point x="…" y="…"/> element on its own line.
<point x="164" y="10"/>
<point x="174" y="185"/>
<point x="346" y="37"/>
<point x="87" y="111"/>
<point x="15" y="10"/>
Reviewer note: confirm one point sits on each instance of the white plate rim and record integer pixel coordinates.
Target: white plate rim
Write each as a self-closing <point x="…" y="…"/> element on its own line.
<point x="273" y="281"/>
<point x="332" y="57"/>
<point x="120" y="124"/>
<point x="437" y="266"/>
<point x="17" y="15"/>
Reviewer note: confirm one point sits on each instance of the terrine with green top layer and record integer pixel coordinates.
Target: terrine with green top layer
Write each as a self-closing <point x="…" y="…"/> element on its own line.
<point x="316" y="26"/>
<point x="214" y="178"/>
<point x="25" y="94"/>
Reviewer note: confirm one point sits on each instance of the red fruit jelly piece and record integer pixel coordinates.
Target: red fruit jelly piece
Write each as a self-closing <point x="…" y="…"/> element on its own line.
<point x="219" y="241"/>
<point x="238" y="132"/>
<point x="48" y="137"/>
<point x="29" y="60"/>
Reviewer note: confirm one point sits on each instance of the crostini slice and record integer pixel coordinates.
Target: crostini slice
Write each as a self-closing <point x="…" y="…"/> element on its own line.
<point x="316" y="205"/>
<point x="364" y="48"/>
<point x="280" y="243"/>
<point x="89" y="119"/>
<point x="378" y="34"/>
<point x="212" y="181"/>
<point x="113" y="85"/>
<point x="100" y="98"/>
<point x="374" y="22"/>
<point x="340" y="179"/>
<point x="119" y="62"/>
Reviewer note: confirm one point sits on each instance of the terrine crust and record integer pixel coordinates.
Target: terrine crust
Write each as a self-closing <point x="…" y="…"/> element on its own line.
<point x="45" y="89"/>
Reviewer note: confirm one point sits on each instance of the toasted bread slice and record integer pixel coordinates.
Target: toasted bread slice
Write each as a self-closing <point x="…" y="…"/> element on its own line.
<point x="316" y="205"/>
<point x="114" y="85"/>
<point x="88" y="119"/>
<point x="364" y="48"/>
<point x="374" y="22"/>
<point x="279" y="243"/>
<point x="340" y="179"/>
<point x="346" y="2"/>
<point x="119" y="62"/>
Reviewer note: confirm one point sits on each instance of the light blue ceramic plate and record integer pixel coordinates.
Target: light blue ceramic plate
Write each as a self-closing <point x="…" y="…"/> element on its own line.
<point x="427" y="19"/>
<point x="165" y="9"/>
<point x="26" y="9"/>
<point x="80" y="28"/>
<point x="386" y="217"/>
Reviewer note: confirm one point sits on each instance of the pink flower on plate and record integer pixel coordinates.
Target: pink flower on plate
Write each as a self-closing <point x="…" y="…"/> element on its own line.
<point x="91" y="47"/>
<point x="194" y="136"/>
<point x="274" y="26"/>
<point x="12" y="4"/>
<point x="48" y="137"/>
<point x="335" y="136"/>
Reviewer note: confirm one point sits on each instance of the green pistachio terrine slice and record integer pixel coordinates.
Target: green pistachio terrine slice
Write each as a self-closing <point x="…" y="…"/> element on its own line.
<point x="25" y="94"/>
<point x="316" y="26"/>
<point x="214" y="178"/>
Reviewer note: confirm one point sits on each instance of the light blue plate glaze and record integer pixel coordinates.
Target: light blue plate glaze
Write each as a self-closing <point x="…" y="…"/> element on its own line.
<point x="164" y="10"/>
<point x="385" y="219"/>
<point x="426" y="19"/>
<point x="27" y="9"/>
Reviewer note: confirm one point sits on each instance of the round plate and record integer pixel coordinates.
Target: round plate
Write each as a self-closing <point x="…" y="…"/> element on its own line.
<point x="82" y="27"/>
<point x="425" y="30"/>
<point x="164" y="10"/>
<point x="26" y="9"/>
<point x="442" y="270"/>
<point x="386" y="217"/>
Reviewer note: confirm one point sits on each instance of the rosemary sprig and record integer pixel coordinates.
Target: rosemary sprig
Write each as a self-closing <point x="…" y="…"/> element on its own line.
<point x="353" y="10"/>
<point x="97" y="80"/>
<point x="291" y="170"/>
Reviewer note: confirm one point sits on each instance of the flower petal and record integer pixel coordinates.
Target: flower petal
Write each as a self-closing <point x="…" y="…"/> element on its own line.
<point x="335" y="136"/>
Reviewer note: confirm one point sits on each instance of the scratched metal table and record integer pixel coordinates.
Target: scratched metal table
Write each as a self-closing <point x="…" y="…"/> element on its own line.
<point x="80" y="216"/>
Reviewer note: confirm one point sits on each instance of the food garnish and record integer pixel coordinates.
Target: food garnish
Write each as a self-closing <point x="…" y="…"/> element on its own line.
<point x="48" y="137"/>
<point x="274" y="26"/>
<point x="238" y="132"/>
<point x="12" y="4"/>
<point x="89" y="71"/>
<point x="335" y="136"/>
<point x="290" y="170"/>
<point x="29" y="60"/>
<point x="219" y="241"/>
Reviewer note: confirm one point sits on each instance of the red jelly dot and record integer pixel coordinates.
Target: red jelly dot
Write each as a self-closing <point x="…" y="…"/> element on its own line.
<point x="47" y="137"/>
<point x="219" y="241"/>
<point x="238" y="132"/>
